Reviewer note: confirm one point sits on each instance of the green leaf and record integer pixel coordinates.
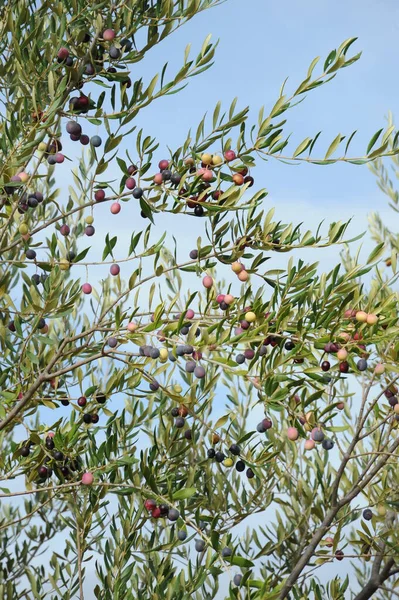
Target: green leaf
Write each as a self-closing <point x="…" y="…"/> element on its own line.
<point x="112" y="142"/>
<point x="330" y="59"/>
<point x="376" y="253"/>
<point x="240" y="561"/>
<point x="374" y="139"/>
<point x="220" y="422"/>
<point x="132" y="280"/>
<point x="46" y="340"/>
<point x="379" y="151"/>
<point x="125" y="491"/>
<point x="333" y="146"/>
<point x="302" y="146"/>
<point x="312" y="66"/>
<point x="278" y="106"/>
<point x="337" y="65"/>
<point x="184" y="493"/>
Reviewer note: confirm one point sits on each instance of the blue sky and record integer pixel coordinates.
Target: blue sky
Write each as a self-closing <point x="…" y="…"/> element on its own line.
<point x="261" y="44"/>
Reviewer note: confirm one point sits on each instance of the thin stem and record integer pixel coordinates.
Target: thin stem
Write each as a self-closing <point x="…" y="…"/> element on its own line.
<point x="78" y="548"/>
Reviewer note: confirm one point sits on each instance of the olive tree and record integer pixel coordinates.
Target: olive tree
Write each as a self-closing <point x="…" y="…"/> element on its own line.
<point x="132" y="465"/>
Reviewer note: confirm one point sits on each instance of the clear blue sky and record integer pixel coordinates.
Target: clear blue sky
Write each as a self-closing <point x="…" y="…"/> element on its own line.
<point x="261" y="43"/>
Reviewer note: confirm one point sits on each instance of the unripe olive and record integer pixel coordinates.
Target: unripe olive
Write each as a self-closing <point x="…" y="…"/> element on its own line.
<point x="361" y="316"/>
<point x="250" y="317"/>
<point x="342" y="354"/>
<point x="206" y="158"/>
<point x="379" y="369"/>
<point x="371" y="319"/>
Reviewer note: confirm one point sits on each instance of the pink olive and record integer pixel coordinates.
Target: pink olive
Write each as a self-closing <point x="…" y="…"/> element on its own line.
<point x="292" y="433"/>
<point x="87" y="478"/>
<point x="207" y="281"/>
<point x="108" y="35"/>
<point x="229" y="155"/>
<point x="86" y="288"/>
<point x="130" y="183"/>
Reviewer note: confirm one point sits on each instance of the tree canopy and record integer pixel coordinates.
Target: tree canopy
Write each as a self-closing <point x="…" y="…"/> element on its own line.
<point x="132" y="465"/>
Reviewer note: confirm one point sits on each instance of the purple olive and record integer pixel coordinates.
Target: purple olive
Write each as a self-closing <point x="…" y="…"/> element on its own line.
<point x="65" y="229"/>
<point x="199" y="372"/>
<point x="89" y="230"/>
<point x="235" y="449"/>
<point x="32" y="201"/>
<point x="190" y="366"/>
<point x="74" y="128"/>
<point x="173" y="514"/>
<point x="317" y="434"/>
<point x="43" y="472"/>
<point x="199" y="545"/>
<point x="137" y="193"/>
<point x="30" y="254"/>
<point x="101" y="398"/>
<point x="198" y="210"/>
<point x="219" y="457"/>
<point x="114" y="52"/>
<point x="327" y="444"/>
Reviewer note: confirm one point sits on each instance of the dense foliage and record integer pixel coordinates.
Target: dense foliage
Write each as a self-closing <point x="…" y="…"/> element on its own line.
<point x="132" y="465"/>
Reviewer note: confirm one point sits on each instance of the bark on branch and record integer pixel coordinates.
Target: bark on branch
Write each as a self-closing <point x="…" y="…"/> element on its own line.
<point x="376" y="581"/>
<point x="327" y="522"/>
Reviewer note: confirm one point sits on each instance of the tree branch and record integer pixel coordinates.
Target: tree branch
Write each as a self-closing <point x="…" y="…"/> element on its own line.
<point x="377" y="578"/>
<point x="329" y="518"/>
